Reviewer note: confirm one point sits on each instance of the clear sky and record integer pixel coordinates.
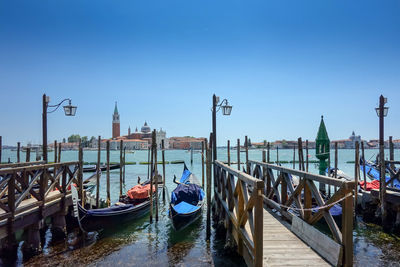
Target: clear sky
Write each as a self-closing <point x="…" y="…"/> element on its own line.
<point x="281" y="64"/>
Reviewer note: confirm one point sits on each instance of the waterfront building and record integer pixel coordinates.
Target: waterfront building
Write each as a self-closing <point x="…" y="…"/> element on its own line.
<point x="115" y="123"/>
<point x="185" y="142"/>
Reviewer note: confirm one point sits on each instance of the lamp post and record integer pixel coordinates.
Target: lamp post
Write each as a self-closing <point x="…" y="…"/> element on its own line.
<point x="381" y="112"/>
<point x="226" y="111"/>
<point x="69" y="110"/>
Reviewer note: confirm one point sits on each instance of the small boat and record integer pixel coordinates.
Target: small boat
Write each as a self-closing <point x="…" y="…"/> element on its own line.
<point x="102" y="167"/>
<point x="98" y="219"/>
<point x="90" y="183"/>
<point x="186" y="200"/>
<point x="372" y="171"/>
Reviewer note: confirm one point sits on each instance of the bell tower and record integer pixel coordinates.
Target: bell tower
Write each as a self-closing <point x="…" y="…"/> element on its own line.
<point x="115" y="123"/>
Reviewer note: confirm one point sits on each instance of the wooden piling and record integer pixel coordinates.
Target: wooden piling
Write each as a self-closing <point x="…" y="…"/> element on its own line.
<point x="163" y="165"/>
<point x="229" y="152"/>
<point x="191" y="155"/>
<point x="121" y="144"/>
<point x="391" y="155"/>
<point x="148" y="161"/>
<point x="306" y="155"/>
<point x="208" y="191"/>
<point x="55" y="151"/>
<point x="1" y="146"/>
<point x="336" y="162"/>
<point x="202" y="164"/>
<point x="18" y="152"/>
<point x="301" y="155"/>
<point x="98" y="173"/>
<point x="294" y="157"/>
<point x="329" y="167"/>
<point x="268" y="152"/>
<point x="59" y="152"/>
<point x="28" y="154"/>
<point x="123" y="176"/>
<point x="247" y="154"/>
<point x="151" y="180"/>
<point x="356" y="172"/>
<point x="277" y="155"/>
<point x="80" y="174"/>
<point x="155" y="180"/>
<point x="364" y="172"/>
<point x="108" y="174"/>
<point x="238" y="154"/>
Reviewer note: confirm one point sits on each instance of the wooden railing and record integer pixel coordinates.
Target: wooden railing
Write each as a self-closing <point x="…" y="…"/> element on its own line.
<point x="34" y="182"/>
<point x="244" y="209"/>
<point x="280" y="193"/>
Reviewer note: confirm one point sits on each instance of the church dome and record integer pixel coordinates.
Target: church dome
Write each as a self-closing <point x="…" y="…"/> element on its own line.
<point x="145" y="128"/>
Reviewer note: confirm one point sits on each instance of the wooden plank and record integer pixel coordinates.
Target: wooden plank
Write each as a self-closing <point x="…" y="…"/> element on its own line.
<point x="320" y="242"/>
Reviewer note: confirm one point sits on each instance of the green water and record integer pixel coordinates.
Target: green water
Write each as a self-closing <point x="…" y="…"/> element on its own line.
<point x="140" y="243"/>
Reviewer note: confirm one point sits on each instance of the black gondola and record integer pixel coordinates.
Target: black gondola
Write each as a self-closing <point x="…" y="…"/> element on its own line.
<point x="186" y="200"/>
<point x="102" y="168"/>
<point x="97" y="219"/>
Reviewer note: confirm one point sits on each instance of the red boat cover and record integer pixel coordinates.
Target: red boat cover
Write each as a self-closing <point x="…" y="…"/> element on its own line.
<point x="370" y="185"/>
<point x="139" y="191"/>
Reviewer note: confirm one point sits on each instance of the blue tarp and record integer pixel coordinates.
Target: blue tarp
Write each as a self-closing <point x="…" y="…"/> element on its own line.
<point x="185" y="175"/>
<point x="109" y="210"/>
<point x="184" y="207"/>
<point x="370" y="170"/>
<point x="190" y="193"/>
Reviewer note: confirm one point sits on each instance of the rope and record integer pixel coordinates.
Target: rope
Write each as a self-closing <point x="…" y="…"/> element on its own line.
<point x="315" y="208"/>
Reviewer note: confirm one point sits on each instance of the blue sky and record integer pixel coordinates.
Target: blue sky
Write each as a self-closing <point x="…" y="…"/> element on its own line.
<point x="281" y="64"/>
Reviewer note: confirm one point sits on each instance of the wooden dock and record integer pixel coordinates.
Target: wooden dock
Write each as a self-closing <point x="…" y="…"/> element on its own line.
<point x="245" y="203"/>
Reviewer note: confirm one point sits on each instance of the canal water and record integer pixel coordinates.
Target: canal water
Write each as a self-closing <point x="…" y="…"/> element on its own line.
<point x="140" y="243"/>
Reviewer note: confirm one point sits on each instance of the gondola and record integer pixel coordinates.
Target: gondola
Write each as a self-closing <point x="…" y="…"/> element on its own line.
<point x="372" y="171"/>
<point x="98" y="219"/>
<point x="186" y="200"/>
<point x="102" y="168"/>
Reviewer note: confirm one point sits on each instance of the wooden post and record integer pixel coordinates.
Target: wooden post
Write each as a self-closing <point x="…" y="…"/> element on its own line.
<point x="363" y="158"/>
<point x="329" y="167"/>
<point x="247" y="155"/>
<point x="108" y="174"/>
<point x="123" y="177"/>
<point x="258" y="229"/>
<point x="294" y="157"/>
<point x="98" y="167"/>
<point x="121" y="144"/>
<point x="208" y="160"/>
<point x="202" y="164"/>
<point x="191" y="154"/>
<point x="391" y="154"/>
<point x="28" y="154"/>
<point x="264" y="171"/>
<point x="336" y="161"/>
<point x="59" y="152"/>
<point x="356" y="172"/>
<point x="301" y="155"/>
<point x="277" y="155"/>
<point x="55" y="151"/>
<point x="306" y="155"/>
<point x="151" y="180"/>
<point x="148" y="163"/>
<point x="268" y="152"/>
<point x="155" y="180"/>
<point x="347" y="229"/>
<point x="238" y="153"/>
<point x="80" y="175"/>
<point x="229" y="153"/>
<point x="1" y="146"/>
<point x="163" y="165"/>
<point x="18" y="152"/>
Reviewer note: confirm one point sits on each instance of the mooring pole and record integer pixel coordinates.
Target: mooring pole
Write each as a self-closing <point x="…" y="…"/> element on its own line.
<point x="163" y="167"/>
<point x="80" y="174"/>
<point x="123" y="177"/>
<point x="382" y="160"/>
<point x="148" y="163"/>
<point x="98" y="173"/>
<point x="154" y="144"/>
<point x="151" y="181"/>
<point x="277" y="155"/>
<point x="307" y="155"/>
<point x="238" y="153"/>
<point x="336" y="162"/>
<point x="191" y="155"/>
<point x="1" y="146"/>
<point x="59" y="152"/>
<point x="268" y="152"/>
<point x="202" y="164"/>
<point x="391" y="154"/>
<point x="28" y="154"/>
<point x="121" y="143"/>
<point x="208" y="159"/>
<point x="108" y="174"/>
<point x="214" y="126"/>
<point x="247" y="155"/>
<point x="44" y="128"/>
<point x="356" y="173"/>
<point x="18" y="152"/>
<point x="294" y="157"/>
<point x="229" y="153"/>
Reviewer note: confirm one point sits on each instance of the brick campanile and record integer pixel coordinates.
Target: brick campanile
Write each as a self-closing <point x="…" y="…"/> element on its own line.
<point x="115" y="123"/>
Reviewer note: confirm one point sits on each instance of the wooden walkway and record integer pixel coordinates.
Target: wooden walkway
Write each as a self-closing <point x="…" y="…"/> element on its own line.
<point x="281" y="247"/>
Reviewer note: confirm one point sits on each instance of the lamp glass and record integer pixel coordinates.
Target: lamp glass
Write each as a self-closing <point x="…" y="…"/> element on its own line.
<point x="226" y="110"/>
<point x="70" y="110"/>
<point x="385" y="111"/>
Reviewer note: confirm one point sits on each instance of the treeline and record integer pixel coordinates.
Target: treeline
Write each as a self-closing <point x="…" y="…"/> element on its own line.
<point x="86" y="142"/>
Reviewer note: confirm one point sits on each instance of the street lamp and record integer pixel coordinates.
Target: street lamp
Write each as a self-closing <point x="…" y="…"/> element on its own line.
<point x="226" y="111"/>
<point x="382" y="111"/>
<point x="69" y="110"/>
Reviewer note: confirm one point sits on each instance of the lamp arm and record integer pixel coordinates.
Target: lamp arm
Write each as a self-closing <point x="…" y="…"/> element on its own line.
<point x="220" y="104"/>
<point x="58" y="105"/>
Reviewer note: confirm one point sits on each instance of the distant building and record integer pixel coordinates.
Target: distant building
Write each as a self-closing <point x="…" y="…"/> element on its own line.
<point x="115" y="123"/>
<point x="185" y="142"/>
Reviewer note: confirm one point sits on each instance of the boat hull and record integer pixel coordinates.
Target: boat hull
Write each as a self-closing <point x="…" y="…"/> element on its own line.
<point x="182" y="220"/>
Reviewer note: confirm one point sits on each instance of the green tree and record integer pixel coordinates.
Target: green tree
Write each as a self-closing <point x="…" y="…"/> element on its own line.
<point x="85" y="141"/>
<point x="74" y="138"/>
